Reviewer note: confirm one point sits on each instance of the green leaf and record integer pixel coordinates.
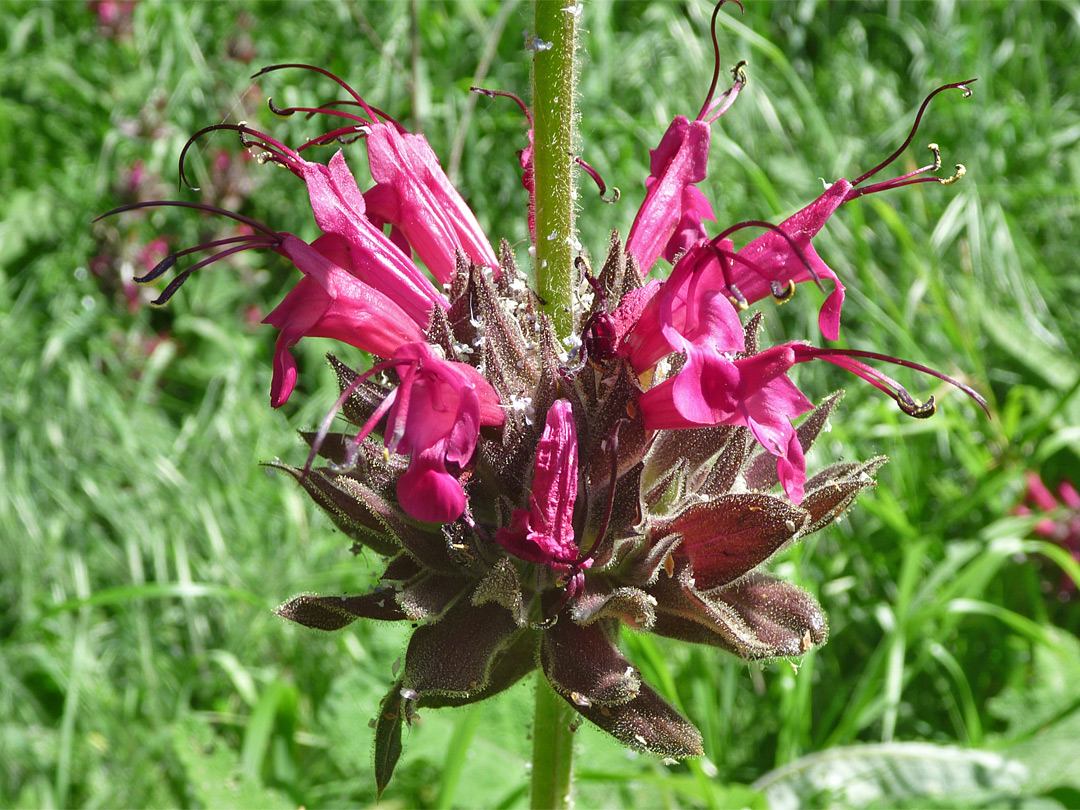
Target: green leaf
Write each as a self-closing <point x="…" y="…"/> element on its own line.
<point x="893" y="775"/>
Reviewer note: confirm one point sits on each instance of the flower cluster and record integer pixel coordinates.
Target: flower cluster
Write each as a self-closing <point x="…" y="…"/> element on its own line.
<point x="529" y="501"/>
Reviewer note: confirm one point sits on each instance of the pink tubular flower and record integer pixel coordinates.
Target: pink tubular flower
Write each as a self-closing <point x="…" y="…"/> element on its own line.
<point x="415" y="196"/>
<point x="648" y="498"/>
<point x="669" y="220"/>
<point x="754" y="392"/>
<point x="687" y="310"/>
<point x="340" y="209"/>
<point x="690" y="314"/>
<point x="412" y="192"/>
<point x="544" y="532"/>
<point x="776" y="265"/>
<point x="779" y="259"/>
<point x="435" y="417"/>
<point x="330" y="302"/>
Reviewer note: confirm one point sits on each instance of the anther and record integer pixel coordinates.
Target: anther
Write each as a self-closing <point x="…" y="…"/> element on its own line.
<point x="278" y="112"/>
<point x="961" y="170"/>
<point x="159" y="269"/>
<point x="738" y="72"/>
<point x="782" y="293"/>
<point x="912" y="408"/>
<point x="937" y="156"/>
<point x="737" y="299"/>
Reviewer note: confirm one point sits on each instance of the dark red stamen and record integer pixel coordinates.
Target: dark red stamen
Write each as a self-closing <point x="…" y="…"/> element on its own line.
<point x="343" y="135"/>
<point x="504" y="94"/>
<point x="209" y="209"/>
<point x="322" y="71"/>
<point x="275" y="150"/>
<point x="716" y="56"/>
<point x="165" y="264"/>
<point x="724" y="258"/>
<point x="595" y="175"/>
<point x="757" y="223"/>
<point x="354" y="444"/>
<point x="915" y="127"/>
<point x="348" y="102"/>
<point x="174" y="285"/>
<point x="881" y="381"/>
<point x="271" y="239"/>
<point x="285" y="112"/>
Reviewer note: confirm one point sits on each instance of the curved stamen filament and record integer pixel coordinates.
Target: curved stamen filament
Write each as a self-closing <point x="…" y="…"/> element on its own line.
<point x="286" y="112"/>
<point x="369" y="425"/>
<point x="881" y="381"/>
<point x="716" y="61"/>
<point x="723" y="104"/>
<point x="911" y="178"/>
<point x="915" y="127"/>
<point x="505" y="94"/>
<point x="246" y="242"/>
<point x="343" y="135"/>
<point x="178" y="282"/>
<point x="250" y="138"/>
<point x="347" y="102"/>
<point x="724" y="258"/>
<point x="595" y="175"/>
<point x="209" y="209"/>
<point x="324" y="72"/>
<point x="757" y="223"/>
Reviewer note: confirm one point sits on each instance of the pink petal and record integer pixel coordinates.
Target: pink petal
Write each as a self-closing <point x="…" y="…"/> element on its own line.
<point x="427" y="492"/>
<point x="775" y="260"/>
<point x="415" y="195"/>
<point x="340" y="210"/>
<point x="679" y="161"/>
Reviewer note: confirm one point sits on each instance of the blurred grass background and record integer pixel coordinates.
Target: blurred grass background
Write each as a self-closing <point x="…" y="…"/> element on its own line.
<point x="142" y="548"/>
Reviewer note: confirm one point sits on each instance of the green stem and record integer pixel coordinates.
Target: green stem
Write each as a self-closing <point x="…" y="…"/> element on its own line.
<point x="553" y="749"/>
<point x="553" y="112"/>
<point x="553" y="137"/>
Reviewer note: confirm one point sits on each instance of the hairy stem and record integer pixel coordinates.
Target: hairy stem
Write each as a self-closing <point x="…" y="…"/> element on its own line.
<point x="553" y="128"/>
<point x="553" y="749"/>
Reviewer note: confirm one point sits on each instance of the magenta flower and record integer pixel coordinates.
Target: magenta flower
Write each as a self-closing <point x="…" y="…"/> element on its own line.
<point x="544" y="533"/>
<point x="688" y="310"/>
<point x="772" y="265"/>
<point x="669" y="222"/>
<point x="340" y="209"/>
<point x="435" y="417"/>
<point x="414" y="195"/>
<point x="332" y="303"/>
<point x="670" y="219"/>
<point x="754" y="392"/>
